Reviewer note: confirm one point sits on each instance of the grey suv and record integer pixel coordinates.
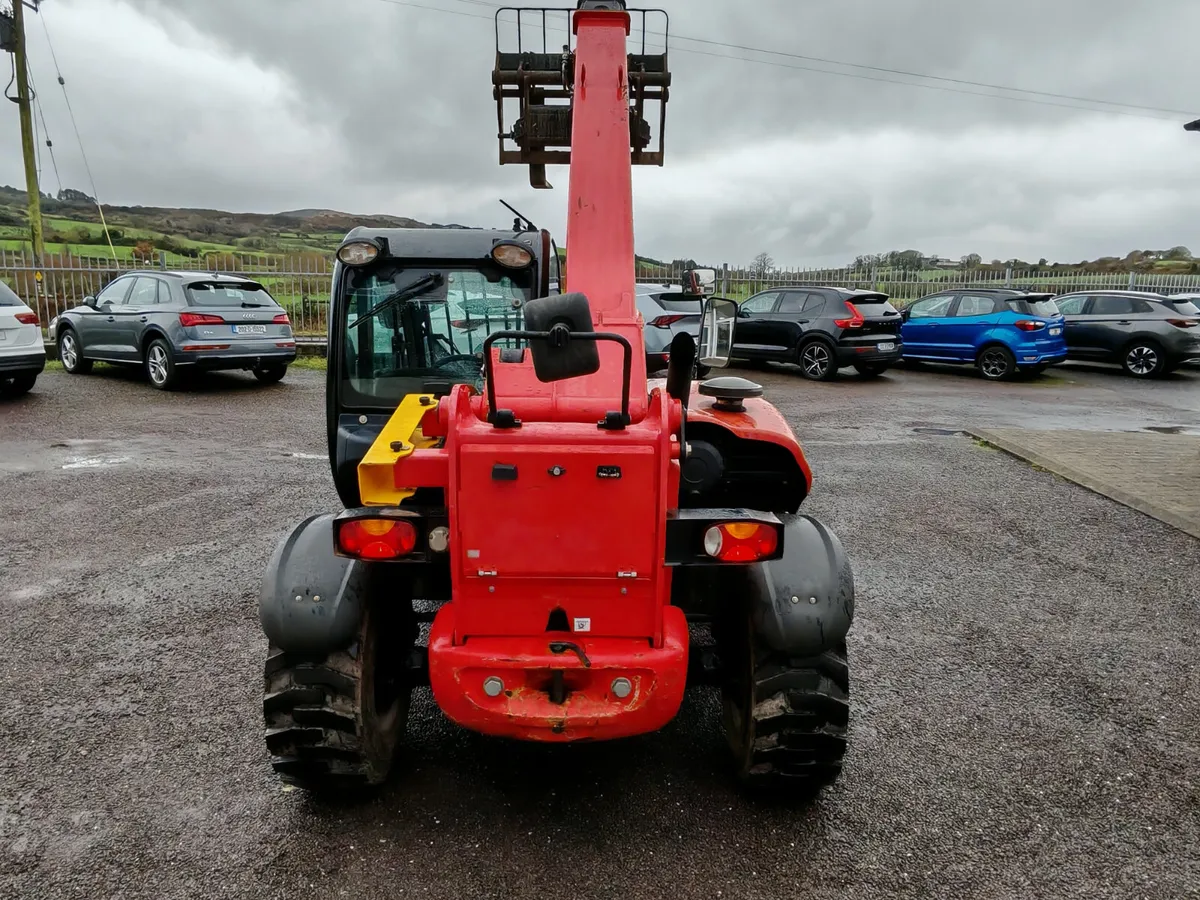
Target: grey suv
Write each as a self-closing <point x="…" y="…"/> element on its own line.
<point x="1148" y="335"/>
<point x="666" y="311"/>
<point x="170" y="323"/>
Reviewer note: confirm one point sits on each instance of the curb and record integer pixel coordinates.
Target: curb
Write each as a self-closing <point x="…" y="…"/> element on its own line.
<point x="1015" y="449"/>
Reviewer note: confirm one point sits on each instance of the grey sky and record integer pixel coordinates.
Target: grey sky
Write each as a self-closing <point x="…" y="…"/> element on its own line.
<point x="373" y="106"/>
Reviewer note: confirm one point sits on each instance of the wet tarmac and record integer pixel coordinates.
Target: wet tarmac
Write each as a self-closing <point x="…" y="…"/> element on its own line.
<point x="1025" y="681"/>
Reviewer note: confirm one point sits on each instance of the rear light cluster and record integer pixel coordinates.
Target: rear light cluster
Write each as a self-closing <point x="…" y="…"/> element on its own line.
<point x="1030" y="325"/>
<point x="281" y="319"/>
<point x="667" y="321"/>
<point x="741" y="541"/>
<point x="856" y="319"/>
<point x="29" y="318"/>
<point x="376" y="538"/>
<point x="1178" y="323"/>
<point x="187" y="320"/>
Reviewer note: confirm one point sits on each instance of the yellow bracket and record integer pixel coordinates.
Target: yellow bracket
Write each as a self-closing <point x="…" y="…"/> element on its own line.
<point x="400" y="436"/>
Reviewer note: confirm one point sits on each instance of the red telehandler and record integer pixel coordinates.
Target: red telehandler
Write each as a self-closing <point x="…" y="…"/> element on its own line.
<point x="582" y="543"/>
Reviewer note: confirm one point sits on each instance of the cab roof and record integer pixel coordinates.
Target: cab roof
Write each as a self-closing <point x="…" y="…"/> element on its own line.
<point x="442" y="243"/>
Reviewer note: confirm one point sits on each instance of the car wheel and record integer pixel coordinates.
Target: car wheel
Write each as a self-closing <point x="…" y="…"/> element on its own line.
<point x="1144" y="359"/>
<point x="160" y="367"/>
<point x="16" y="386"/>
<point x="270" y="374"/>
<point x="996" y="364"/>
<point x="703" y="371"/>
<point x="70" y="353"/>
<point x="867" y="370"/>
<point x="816" y="361"/>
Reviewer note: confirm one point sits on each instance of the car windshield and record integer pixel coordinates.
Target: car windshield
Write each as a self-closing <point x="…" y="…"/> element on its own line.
<point x="227" y="294"/>
<point x="436" y="335"/>
<point x="1035" y="306"/>
<point x="1183" y="307"/>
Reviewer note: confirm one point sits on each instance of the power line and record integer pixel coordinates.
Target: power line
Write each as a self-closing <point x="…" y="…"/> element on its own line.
<point x="37" y="99"/>
<point x="87" y="167"/>
<point x="1117" y="107"/>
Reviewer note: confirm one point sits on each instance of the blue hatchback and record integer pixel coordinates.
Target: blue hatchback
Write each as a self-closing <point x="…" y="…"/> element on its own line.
<point x="1001" y="332"/>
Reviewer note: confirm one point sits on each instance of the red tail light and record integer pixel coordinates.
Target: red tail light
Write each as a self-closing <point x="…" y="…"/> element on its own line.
<point x="376" y="538"/>
<point x="1030" y="325"/>
<point x="1178" y="323"/>
<point x="667" y="321"/>
<point x="856" y="318"/>
<point x="741" y="541"/>
<point x="29" y="318"/>
<point x="281" y="319"/>
<point x="187" y="320"/>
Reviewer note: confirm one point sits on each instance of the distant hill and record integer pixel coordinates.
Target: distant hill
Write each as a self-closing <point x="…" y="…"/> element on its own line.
<point x="73" y="225"/>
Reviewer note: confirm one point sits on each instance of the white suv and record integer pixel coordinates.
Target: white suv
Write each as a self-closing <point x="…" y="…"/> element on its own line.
<point x="22" y="353"/>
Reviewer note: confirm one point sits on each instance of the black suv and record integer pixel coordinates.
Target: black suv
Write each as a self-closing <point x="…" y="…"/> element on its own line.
<point x="820" y="329"/>
<point x="1148" y="335"/>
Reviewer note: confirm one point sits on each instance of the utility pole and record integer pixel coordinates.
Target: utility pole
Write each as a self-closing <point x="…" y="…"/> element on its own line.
<point x="24" y="104"/>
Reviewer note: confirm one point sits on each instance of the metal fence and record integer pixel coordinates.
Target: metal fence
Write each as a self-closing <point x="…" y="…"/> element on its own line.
<point x="301" y="283"/>
<point x="904" y="287"/>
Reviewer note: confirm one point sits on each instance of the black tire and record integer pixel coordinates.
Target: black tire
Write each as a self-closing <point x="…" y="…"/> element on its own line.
<point x="817" y="361"/>
<point x="868" y="370"/>
<point x="270" y="374"/>
<point x="334" y="723"/>
<point x="703" y="371"/>
<point x="996" y="363"/>
<point x="70" y="353"/>
<point x="1144" y="358"/>
<point x="159" y="365"/>
<point x="786" y="719"/>
<point x="13" y="386"/>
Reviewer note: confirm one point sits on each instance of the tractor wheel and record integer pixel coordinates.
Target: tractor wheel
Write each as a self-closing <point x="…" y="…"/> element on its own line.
<point x="333" y="723"/>
<point x="786" y="718"/>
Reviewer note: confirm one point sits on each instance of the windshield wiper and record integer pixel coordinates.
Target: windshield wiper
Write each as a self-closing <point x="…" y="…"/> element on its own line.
<point x="416" y="289"/>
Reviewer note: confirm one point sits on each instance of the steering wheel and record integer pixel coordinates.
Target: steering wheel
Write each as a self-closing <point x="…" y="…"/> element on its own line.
<point x="458" y="358"/>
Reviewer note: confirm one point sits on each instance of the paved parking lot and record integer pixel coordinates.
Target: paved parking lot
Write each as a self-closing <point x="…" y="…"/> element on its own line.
<point x="1024" y="669"/>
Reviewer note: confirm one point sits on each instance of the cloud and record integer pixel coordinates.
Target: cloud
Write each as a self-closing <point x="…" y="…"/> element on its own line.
<point x="379" y="106"/>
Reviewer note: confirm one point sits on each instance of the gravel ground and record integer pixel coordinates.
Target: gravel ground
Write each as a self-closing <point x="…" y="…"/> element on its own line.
<point x="1024" y="668"/>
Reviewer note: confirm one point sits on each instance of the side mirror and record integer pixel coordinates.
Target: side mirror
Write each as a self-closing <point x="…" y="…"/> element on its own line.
<point x="716" y="332"/>
<point x="89" y="301"/>
<point x="700" y="282"/>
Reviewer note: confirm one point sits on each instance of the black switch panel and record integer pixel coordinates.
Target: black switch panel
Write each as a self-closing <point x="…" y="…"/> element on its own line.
<point x="504" y="472"/>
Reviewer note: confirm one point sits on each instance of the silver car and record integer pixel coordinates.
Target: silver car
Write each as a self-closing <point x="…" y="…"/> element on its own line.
<point x="173" y="323"/>
<point x="666" y="311"/>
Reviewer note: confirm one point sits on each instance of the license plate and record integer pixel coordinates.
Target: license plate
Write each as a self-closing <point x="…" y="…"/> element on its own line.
<point x="1056" y="331"/>
<point x="889" y="345"/>
<point x="249" y="329"/>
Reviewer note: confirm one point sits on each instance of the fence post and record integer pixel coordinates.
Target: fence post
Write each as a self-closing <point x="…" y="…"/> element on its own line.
<point x="724" y="279"/>
<point x="162" y="259"/>
<point x="1133" y="280"/>
<point x="1008" y="277"/>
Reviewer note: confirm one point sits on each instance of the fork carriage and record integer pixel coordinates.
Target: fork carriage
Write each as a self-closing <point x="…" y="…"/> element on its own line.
<point x="543" y="84"/>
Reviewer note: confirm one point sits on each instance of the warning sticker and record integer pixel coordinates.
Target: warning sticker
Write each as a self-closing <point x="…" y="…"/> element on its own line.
<point x="583" y="625"/>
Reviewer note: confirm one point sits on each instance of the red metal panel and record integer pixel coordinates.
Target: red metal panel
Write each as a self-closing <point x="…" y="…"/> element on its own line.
<point x="525" y="665"/>
<point x="573" y="524"/>
<point x="422" y="468"/>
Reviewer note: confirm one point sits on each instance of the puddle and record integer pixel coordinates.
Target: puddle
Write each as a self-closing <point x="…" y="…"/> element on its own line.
<point x="944" y="432"/>
<point x="321" y="456"/>
<point x="96" y="462"/>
